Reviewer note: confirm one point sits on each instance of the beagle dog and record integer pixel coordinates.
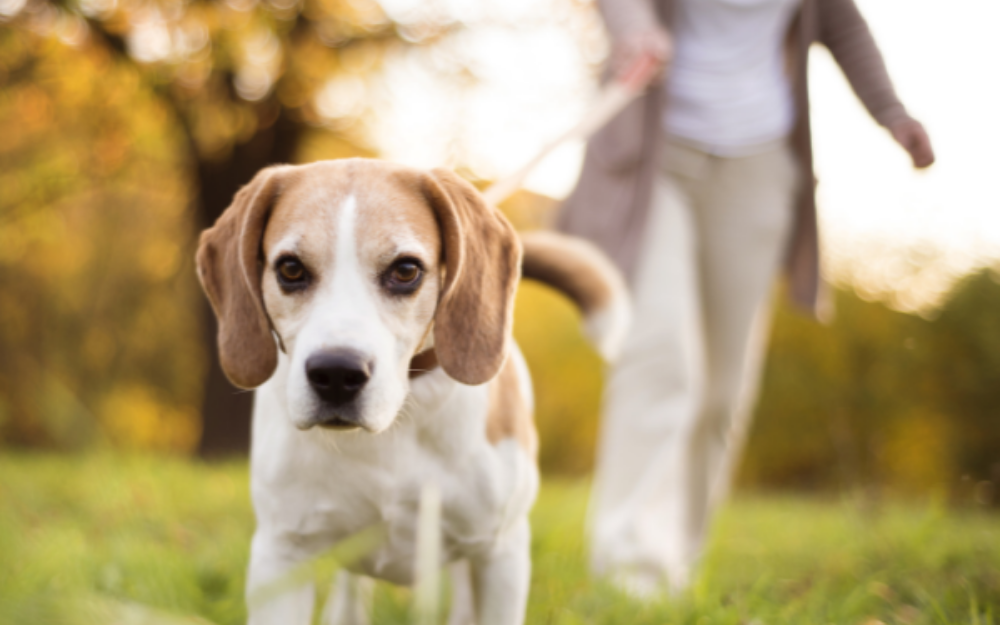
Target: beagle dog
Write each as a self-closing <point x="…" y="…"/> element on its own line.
<point x="370" y="306"/>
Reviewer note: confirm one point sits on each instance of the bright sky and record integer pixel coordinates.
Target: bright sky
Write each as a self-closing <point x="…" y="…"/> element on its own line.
<point x="886" y="227"/>
<point x="881" y="218"/>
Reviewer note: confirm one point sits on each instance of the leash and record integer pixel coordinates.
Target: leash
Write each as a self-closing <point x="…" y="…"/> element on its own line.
<point x="612" y="99"/>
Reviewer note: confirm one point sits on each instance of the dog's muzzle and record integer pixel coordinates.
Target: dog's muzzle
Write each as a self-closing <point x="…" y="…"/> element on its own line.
<point x="338" y="377"/>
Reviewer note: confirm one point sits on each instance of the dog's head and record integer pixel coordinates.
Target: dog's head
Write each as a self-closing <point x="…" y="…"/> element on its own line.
<point x="352" y="268"/>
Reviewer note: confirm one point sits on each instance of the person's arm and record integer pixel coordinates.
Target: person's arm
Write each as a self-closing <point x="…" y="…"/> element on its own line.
<point x="845" y="33"/>
<point x="635" y="31"/>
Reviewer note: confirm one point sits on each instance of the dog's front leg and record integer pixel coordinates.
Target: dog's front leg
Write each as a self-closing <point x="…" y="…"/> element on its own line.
<point x="275" y="596"/>
<point x="502" y="578"/>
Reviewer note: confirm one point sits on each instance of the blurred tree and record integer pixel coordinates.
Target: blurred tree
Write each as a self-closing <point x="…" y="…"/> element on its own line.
<point x="964" y="350"/>
<point x="884" y="397"/>
<point x="243" y="81"/>
<point x="98" y="298"/>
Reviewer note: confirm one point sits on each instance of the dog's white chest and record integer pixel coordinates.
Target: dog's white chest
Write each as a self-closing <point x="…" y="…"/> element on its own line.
<point x="322" y="488"/>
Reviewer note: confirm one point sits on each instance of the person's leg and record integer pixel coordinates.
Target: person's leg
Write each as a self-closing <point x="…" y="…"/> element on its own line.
<point x="745" y="213"/>
<point x="652" y="395"/>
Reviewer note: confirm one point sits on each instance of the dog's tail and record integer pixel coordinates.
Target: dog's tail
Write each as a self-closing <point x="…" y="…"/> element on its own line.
<point x="582" y="272"/>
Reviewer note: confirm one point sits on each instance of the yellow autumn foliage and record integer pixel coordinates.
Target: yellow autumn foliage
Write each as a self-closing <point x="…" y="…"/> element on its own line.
<point x="133" y="417"/>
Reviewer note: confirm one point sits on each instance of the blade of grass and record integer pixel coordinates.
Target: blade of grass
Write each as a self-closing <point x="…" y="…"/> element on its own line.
<point x="344" y="553"/>
<point x="427" y="567"/>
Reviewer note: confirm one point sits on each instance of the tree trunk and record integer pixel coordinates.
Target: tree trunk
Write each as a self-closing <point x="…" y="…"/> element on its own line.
<point x="225" y="408"/>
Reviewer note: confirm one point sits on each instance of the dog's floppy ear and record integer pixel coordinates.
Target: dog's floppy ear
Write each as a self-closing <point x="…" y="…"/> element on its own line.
<point x="482" y="255"/>
<point x="229" y="268"/>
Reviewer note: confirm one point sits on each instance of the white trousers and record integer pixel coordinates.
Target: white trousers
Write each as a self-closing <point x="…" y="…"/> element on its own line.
<point x="678" y="401"/>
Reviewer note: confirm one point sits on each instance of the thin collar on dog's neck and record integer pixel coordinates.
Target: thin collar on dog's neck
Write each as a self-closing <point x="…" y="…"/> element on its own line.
<point x="422" y="363"/>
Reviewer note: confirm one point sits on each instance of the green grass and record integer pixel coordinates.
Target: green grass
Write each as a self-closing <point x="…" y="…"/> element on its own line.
<point x="111" y="539"/>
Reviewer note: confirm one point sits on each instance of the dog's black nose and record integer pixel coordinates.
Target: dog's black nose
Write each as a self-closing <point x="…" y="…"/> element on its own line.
<point x="338" y="376"/>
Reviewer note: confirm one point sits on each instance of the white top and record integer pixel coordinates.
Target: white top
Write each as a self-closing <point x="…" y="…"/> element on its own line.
<point x="727" y="88"/>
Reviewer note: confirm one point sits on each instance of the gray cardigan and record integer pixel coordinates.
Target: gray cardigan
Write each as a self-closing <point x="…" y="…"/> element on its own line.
<point x="611" y="200"/>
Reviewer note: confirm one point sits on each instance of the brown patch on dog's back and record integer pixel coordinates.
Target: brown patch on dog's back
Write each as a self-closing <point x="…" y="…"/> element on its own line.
<point x="509" y="415"/>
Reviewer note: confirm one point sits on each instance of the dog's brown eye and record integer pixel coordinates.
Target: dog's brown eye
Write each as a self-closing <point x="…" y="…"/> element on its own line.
<point x="403" y="276"/>
<point x="291" y="273"/>
<point x="405" y="272"/>
<point x="291" y="270"/>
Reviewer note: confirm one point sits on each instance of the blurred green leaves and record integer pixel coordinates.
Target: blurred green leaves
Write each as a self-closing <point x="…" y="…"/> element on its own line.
<point x="881" y="397"/>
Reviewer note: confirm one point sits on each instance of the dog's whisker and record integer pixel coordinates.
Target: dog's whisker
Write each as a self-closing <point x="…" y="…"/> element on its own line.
<point x="404" y="414"/>
<point x="332" y="441"/>
<point x="396" y="424"/>
<point x="404" y="411"/>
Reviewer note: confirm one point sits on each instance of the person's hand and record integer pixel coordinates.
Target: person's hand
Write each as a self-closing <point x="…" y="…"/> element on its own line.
<point x="653" y="42"/>
<point x="911" y="135"/>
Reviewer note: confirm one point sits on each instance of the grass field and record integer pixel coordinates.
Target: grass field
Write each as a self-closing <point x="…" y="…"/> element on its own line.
<point x="114" y="540"/>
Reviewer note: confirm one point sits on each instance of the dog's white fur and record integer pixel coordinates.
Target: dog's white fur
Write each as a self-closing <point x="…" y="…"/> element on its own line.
<point x="344" y="312"/>
<point x="312" y="487"/>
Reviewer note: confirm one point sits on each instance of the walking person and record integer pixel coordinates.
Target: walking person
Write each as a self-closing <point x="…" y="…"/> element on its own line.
<point x="702" y="190"/>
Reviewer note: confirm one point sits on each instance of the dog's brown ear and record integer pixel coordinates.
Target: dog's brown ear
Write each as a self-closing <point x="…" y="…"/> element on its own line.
<point x="229" y="268"/>
<point x="482" y="253"/>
